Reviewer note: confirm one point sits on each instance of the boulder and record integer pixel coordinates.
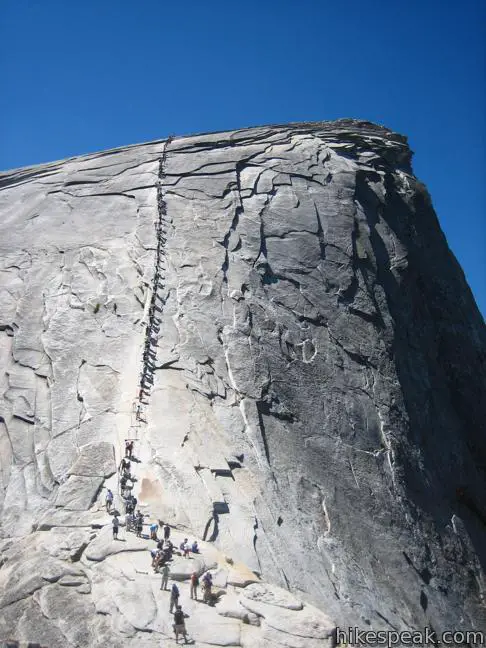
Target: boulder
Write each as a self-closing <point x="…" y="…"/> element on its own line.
<point x="308" y="622"/>
<point x="23" y="576"/>
<point x="135" y="602"/>
<point x="78" y="493"/>
<point x="240" y="576"/>
<point x="95" y="460"/>
<point x="271" y="594"/>
<point x="182" y="568"/>
<point x="230" y="606"/>
<point x="103" y="545"/>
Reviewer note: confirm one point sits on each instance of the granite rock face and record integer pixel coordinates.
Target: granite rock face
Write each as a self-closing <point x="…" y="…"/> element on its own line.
<point x="313" y="382"/>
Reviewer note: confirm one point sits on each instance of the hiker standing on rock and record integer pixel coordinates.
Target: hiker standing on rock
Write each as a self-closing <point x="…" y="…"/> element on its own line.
<point x="207" y="585"/>
<point x="168" y="550"/>
<point x="116" y="524"/>
<point x="130" y="522"/>
<point x="186" y="550"/>
<point x="194" y="585"/>
<point x="166" y="532"/>
<point x="165" y="577"/>
<point x="109" y="500"/>
<point x="179" y="623"/>
<point x="153" y="531"/>
<point x="174" y="597"/>
<point x="158" y="557"/>
<point x="139" y="524"/>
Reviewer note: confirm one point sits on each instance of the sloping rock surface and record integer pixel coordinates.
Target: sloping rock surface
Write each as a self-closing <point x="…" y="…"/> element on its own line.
<point x="275" y="318"/>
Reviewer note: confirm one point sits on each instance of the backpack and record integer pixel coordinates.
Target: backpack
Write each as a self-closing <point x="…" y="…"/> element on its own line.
<point x="195" y="580"/>
<point x="175" y="591"/>
<point x="179" y="617"/>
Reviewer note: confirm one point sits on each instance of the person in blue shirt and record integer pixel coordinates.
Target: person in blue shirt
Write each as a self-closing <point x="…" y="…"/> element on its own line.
<point x="153" y="531"/>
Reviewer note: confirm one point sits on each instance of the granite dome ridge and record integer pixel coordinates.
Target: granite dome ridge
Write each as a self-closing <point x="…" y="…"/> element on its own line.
<point x="275" y="317"/>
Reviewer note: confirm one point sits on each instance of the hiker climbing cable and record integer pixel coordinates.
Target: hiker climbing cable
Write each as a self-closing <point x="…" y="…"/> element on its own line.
<point x="128" y="476"/>
<point x="128" y="448"/>
<point x="124" y="466"/>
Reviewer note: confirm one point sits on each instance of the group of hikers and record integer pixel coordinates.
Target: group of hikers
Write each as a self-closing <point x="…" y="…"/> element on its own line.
<point x="162" y="555"/>
<point x="179" y="615"/>
<point x="132" y="521"/>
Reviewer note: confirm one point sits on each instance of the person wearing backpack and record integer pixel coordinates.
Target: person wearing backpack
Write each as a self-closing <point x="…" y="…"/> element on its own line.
<point x="174" y="597"/>
<point x="179" y="623"/>
<point x="194" y="585"/>
<point x="207" y="587"/>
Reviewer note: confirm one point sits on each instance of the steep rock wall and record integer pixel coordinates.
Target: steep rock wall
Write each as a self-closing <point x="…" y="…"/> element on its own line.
<point x="312" y="384"/>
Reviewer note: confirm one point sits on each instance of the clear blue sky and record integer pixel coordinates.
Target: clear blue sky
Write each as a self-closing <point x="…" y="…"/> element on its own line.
<point x="85" y="75"/>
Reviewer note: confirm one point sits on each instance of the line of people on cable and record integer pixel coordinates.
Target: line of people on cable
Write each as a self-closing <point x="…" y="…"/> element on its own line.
<point x="153" y="324"/>
<point x="132" y="521"/>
